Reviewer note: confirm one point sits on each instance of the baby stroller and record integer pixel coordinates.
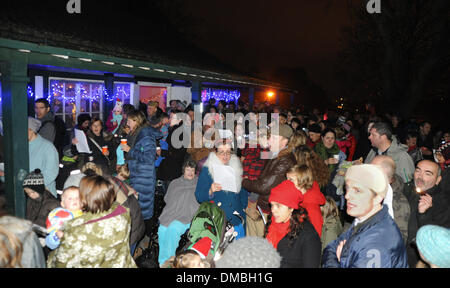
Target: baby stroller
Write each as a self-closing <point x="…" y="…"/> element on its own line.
<point x="209" y="221"/>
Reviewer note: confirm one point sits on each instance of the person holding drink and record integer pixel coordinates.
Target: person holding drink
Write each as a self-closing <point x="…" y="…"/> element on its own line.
<point x="141" y="155"/>
<point x="100" y="143"/>
<point x="328" y="150"/>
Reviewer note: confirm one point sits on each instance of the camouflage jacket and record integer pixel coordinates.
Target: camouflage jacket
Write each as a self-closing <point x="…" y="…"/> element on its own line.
<point x="95" y="240"/>
<point x="401" y="207"/>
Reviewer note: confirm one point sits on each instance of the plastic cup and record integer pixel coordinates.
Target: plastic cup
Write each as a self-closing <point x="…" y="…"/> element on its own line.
<point x="123" y="141"/>
<point x="336" y="157"/>
<point x="104" y="149"/>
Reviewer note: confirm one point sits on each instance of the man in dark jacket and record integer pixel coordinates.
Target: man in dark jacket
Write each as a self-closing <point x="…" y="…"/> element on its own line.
<point x="373" y="240"/>
<point x="429" y="206"/>
<point x="273" y="174"/>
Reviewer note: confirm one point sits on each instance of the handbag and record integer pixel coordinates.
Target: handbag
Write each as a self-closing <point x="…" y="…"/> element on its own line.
<point x="149" y="256"/>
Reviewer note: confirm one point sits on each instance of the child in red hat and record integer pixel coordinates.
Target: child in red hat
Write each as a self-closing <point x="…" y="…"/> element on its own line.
<point x="289" y="229"/>
<point x="194" y="257"/>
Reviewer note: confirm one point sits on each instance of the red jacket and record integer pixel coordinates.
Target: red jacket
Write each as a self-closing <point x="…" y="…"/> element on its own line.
<point x="348" y="146"/>
<point x="312" y="201"/>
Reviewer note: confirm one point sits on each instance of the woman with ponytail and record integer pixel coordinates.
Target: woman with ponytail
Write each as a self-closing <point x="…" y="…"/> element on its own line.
<point x="289" y="229"/>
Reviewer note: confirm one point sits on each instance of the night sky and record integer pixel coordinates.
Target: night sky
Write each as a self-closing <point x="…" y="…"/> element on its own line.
<point x="258" y="37"/>
<point x="264" y="36"/>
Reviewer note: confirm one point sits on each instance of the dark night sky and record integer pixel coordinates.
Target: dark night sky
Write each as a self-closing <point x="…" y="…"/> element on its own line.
<point x="263" y="36"/>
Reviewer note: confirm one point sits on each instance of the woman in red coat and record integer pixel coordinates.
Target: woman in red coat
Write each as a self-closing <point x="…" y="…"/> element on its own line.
<point x="303" y="179"/>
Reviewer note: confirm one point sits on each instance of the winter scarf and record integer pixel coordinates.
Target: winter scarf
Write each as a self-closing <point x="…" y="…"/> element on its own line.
<point x="234" y="163"/>
<point x="326" y="153"/>
<point x="276" y="232"/>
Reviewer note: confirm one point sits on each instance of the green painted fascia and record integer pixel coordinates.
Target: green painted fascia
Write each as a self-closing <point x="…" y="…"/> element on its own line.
<point x="41" y="54"/>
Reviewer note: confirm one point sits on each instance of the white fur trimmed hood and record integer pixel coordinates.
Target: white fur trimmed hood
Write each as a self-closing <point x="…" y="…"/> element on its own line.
<point x="234" y="163"/>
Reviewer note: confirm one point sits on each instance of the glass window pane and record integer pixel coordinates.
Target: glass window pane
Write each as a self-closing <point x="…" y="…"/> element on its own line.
<point x="95" y="106"/>
<point x="56" y="96"/>
<point x="70" y="95"/>
<point x="97" y="91"/>
<point x="84" y="106"/>
<point x="122" y="91"/>
<point x="85" y="90"/>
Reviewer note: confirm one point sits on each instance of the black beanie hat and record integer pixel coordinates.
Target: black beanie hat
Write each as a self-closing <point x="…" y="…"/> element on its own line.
<point x="35" y="181"/>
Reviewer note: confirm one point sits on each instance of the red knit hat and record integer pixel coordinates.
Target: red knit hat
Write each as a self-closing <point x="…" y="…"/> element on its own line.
<point x="202" y="247"/>
<point x="287" y="194"/>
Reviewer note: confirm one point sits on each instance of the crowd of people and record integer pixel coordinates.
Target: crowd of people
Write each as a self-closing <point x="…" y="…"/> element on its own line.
<point x="296" y="189"/>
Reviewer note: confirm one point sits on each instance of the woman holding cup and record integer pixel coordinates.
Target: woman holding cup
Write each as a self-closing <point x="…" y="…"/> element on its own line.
<point x="100" y="143"/>
<point x="328" y="150"/>
<point x="141" y="155"/>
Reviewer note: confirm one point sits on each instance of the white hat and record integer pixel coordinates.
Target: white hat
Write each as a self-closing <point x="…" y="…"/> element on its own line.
<point x="369" y="176"/>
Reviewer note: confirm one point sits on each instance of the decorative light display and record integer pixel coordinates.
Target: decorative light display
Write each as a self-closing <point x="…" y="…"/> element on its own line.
<point x="29" y="92"/>
<point x="57" y="92"/>
<point x="219" y="94"/>
<point x="122" y="91"/>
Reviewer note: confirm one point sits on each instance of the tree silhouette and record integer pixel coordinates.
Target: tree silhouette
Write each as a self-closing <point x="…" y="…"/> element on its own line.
<point x="397" y="58"/>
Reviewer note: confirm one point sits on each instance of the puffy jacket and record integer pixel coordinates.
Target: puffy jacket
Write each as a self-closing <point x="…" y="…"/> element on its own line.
<point x="374" y="243"/>
<point x="141" y="163"/>
<point x="273" y="174"/>
<point x="403" y="162"/>
<point x="312" y="201"/>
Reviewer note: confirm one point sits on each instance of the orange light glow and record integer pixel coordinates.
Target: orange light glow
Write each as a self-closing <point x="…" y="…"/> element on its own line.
<point x="270" y="94"/>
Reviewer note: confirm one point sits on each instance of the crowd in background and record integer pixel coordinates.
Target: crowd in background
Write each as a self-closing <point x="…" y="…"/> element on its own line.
<point x="323" y="189"/>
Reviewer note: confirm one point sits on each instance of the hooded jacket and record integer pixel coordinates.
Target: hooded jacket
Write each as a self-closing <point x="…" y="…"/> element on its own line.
<point x="312" y="201"/>
<point x="403" y="162"/>
<point x="374" y="243"/>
